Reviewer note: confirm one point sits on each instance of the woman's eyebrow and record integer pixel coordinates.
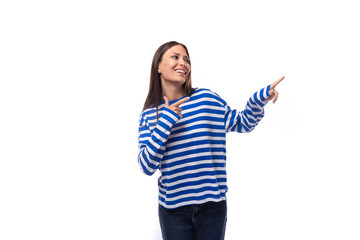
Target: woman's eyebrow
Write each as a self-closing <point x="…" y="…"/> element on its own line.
<point x="179" y="54"/>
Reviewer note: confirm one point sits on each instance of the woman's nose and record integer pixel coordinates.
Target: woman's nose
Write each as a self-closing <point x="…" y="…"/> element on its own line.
<point x="182" y="62"/>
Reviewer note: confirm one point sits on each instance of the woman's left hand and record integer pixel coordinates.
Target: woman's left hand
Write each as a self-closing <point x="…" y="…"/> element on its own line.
<point x="272" y="92"/>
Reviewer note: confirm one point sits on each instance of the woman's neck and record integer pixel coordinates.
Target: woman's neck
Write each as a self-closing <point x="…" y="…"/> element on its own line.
<point x="172" y="91"/>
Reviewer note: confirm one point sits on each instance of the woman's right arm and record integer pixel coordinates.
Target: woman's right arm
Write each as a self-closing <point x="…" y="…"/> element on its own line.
<point x="152" y="143"/>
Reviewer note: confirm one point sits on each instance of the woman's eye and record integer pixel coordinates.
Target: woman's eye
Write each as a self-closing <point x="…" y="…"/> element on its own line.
<point x="177" y="57"/>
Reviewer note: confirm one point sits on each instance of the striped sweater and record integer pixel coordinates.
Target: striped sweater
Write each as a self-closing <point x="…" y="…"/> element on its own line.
<point x="190" y="151"/>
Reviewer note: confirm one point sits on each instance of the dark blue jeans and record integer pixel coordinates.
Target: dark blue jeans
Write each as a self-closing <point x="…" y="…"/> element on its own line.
<point x="194" y="222"/>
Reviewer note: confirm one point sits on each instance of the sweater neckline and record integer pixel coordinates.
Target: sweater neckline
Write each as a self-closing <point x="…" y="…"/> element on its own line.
<point x="173" y="101"/>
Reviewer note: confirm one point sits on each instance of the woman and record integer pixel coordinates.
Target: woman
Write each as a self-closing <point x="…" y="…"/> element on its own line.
<point x="182" y="133"/>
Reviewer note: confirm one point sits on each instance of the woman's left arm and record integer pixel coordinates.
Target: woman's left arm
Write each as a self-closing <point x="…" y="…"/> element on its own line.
<point x="248" y="119"/>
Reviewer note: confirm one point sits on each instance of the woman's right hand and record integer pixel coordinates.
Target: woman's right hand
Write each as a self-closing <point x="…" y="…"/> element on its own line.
<point x="175" y="106"/>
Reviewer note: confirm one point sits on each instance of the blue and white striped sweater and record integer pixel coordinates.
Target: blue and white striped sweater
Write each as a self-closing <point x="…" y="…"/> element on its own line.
<point x="191" y="152"/>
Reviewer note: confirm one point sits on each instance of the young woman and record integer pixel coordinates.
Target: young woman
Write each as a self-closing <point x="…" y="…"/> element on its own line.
<point x="182" y="133"/>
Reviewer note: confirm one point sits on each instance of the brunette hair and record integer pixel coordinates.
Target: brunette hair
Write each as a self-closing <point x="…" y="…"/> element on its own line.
<point x="154" y="96"/>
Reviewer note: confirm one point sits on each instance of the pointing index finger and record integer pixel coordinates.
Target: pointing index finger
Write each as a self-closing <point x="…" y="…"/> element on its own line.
<point x="273" y="85"/>
<point x="176" y="104"/>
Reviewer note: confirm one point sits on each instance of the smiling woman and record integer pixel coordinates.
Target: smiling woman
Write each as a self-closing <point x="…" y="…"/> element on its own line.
<point x="166" y="78"/>
<point x="174" y="60"/>
<point x="187" y="144"/>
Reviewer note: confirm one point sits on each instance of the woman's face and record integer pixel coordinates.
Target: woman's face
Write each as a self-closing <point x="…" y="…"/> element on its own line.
<point x="175" y="65"/>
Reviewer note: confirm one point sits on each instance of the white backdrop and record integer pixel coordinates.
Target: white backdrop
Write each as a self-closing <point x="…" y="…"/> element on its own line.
<point x="74" y="77"/>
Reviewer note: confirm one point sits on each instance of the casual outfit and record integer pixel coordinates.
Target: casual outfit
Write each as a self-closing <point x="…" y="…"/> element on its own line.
<point x="190" y="151"/>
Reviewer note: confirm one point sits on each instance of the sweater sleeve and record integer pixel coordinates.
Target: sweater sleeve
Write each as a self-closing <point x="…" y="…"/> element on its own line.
<point x="248" y="119"/>
<point x="152" y="143"/>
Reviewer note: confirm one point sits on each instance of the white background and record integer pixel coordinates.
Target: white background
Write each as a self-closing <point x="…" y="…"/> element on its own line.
<point x="74" y="77"/>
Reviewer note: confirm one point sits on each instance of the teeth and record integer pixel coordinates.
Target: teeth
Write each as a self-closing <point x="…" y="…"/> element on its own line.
<point x="180" y="71"/>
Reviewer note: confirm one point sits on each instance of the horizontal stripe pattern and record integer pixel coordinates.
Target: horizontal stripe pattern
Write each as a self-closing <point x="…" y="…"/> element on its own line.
<point x="191" y="152"/>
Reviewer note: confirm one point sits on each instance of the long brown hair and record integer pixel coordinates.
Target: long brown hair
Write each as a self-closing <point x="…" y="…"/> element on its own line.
<point x="154" y="96"/>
